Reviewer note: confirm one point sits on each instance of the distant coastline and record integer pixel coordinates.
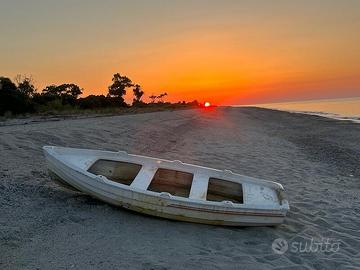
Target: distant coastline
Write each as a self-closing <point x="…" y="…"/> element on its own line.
<point x="341" y="109"/>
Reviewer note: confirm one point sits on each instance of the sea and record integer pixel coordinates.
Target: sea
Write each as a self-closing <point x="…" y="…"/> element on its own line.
<point x="341" y="109"/>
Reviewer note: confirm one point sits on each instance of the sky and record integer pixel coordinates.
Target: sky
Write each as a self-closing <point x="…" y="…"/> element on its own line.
<point x="225" y="52"/>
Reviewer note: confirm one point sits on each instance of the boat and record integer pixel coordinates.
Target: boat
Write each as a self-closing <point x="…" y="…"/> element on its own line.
<point x="169" y="189"/>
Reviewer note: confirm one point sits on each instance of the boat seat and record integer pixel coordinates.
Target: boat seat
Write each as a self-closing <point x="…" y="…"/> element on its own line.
<point x="144" y="178"/>
<point x="199" y="187"/>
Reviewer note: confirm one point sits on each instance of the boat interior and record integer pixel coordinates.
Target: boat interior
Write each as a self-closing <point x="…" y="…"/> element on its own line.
<point x="117" y="171"/>
<point x="221" y="190"/>
<point x="177" y="183"/>
<point x="174" y="182"/>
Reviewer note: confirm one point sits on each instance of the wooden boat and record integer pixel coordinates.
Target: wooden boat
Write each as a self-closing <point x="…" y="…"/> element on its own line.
<point x="169" y="189"/>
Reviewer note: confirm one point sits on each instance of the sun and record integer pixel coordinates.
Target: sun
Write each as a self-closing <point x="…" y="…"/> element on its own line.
<point x="207" y="104"/>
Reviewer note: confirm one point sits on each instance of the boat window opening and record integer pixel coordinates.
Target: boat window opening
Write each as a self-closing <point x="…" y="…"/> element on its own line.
<point x="117" y="171"/>
<point x="221" y="190"/>
<point x="176" y="183"/>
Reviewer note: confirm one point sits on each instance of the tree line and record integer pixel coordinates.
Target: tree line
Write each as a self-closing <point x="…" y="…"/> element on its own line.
<point x="21" y="96"/>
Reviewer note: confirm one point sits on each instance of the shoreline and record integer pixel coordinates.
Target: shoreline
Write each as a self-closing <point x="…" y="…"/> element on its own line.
<point x="354" y="119"/>
<point x="344" y="109"/>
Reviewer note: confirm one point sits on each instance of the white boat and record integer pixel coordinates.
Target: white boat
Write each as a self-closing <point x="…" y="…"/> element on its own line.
<point x="169" y="189"/>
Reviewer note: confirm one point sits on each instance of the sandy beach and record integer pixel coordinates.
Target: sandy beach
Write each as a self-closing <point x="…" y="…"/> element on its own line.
<point x="317" y="160"/>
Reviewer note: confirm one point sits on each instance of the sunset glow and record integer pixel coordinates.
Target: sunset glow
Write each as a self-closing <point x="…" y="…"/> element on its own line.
<point x="232" y="52"/>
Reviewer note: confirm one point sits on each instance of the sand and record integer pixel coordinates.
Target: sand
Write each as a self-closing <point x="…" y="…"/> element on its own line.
<point x="44" y="226"/>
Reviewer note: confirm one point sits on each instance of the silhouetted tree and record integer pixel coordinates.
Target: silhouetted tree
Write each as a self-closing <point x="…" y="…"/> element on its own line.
<point x="22" y="96"/>
<point x="118" y="88"/>
<point x="153" y="98"/>
<point x="161" y="96"/>
<point x="67" y="93"/>
<point x="70" y="89"/>
<point x="25" y="85"/>
<point x="93" y="102"/>
<point x="51" y="90"/>
<point x="193" y="103"/>
<point x="11" y="99"/>
<point x="138" y="93"/>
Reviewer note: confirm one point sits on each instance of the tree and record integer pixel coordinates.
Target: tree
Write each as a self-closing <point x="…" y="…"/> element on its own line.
<point x="161" y="96"/>
<point x="153" y="98"/>
<point x="138" y="93"/>
<point x="193" y="103"/>
<point x="70" y="89"/>
<point x="93" y="102"/>
<point x="25" y="85"/>
<point x="67" y="93"/>
<point x="11" y="99"/>
<point x="51" y="90"/>
<point x="118" y="87"/>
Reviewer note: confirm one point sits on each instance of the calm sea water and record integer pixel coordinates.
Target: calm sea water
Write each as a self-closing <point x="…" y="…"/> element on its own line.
<point x="343" y="109"/>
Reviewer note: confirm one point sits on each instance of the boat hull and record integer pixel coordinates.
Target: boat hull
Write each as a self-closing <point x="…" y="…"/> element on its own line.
<point x="163" y="207"/>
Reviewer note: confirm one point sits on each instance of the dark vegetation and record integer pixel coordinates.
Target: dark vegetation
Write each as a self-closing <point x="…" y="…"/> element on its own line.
<point x="21" y="97"/>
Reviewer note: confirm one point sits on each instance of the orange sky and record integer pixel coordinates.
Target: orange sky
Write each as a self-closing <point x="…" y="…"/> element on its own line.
<point x="227" y="52"/>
